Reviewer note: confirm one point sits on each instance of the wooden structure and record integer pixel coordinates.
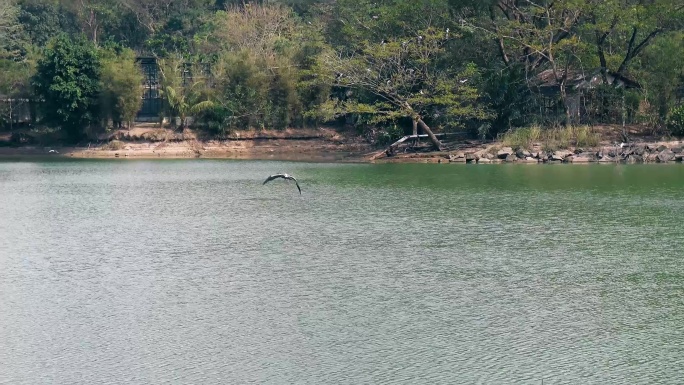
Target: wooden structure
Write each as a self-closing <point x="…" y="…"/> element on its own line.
<point x="589" y="95"/>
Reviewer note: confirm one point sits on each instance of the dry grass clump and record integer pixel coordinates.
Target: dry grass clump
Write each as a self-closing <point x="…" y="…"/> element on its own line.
<point x="114" y="145"/>
<point x="551" y="139"/>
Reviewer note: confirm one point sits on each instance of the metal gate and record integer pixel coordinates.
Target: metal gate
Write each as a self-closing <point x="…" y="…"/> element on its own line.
<point x="152" y="101"/>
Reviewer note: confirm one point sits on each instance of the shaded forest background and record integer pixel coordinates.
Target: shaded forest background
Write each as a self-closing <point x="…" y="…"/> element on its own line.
<point x="386" y="67"/>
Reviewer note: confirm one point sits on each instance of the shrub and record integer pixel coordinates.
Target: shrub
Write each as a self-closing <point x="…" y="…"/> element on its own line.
<point x="114" y="145"/>
<point x="121" y="96"/>
<point x="675" y="121"/>
<point x="216" y="121"/>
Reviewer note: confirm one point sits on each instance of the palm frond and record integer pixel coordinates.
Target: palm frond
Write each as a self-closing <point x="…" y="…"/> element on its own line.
<point x="201" y="106"/>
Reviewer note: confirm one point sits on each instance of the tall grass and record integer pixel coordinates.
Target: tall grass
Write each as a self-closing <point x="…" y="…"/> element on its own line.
<point x="522" y="137"/>
<point x="551" y="139"/>
<point x="585" y="137"/>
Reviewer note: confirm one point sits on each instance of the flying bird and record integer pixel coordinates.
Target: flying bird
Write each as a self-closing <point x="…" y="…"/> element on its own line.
<point x="284" y="176"/>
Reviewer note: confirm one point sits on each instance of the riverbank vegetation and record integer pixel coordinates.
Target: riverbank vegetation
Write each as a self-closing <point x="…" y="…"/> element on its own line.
<point x="522" y="71"/>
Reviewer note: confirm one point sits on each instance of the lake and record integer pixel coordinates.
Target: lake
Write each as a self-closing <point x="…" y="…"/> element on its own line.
<point x="193" y="272"/>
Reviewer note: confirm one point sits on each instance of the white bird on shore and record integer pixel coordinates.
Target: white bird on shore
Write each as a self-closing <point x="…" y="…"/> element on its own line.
<point x="284" y="176"/>
<point x="53" y="152"/>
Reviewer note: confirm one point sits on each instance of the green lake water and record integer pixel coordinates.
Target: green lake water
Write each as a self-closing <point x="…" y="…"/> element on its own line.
<point x="193" y="272"/>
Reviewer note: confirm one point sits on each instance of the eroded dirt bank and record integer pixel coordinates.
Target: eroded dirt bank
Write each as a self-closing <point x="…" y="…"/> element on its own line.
<point x="330" y="145"/>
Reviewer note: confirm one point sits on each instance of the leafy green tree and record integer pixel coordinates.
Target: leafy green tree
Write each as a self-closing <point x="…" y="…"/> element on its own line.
<point x="121" y="85"/>
<point x="67" y="83"/>
<point x="623" y="29"/>
<point x="661" y="71"/>
<point x="408" y="81"/>
<point x="43" y="20"/>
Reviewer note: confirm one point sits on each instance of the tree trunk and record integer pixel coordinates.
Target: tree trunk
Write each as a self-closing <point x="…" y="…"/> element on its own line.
<point x="417" y="119"/>
<point x="428" y="131"/>
<point x="415" y="127"/>
<point x="566" y="107"/>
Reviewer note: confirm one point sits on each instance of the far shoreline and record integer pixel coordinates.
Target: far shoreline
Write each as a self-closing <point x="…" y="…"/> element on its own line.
<point x="326" y="145"/>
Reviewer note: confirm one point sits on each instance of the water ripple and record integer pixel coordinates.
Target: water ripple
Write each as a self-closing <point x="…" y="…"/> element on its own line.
<point x="193" y="272"/>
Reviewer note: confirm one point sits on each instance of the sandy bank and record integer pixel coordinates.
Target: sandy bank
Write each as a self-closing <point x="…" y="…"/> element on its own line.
<point x="321" y="145"/>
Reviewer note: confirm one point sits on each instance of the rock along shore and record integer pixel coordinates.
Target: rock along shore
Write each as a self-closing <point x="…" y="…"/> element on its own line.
<point x="624" y="153"/>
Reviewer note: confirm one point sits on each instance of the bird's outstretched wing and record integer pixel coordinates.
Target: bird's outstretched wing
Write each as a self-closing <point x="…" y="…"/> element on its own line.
<point x="298" y="188"/>
<point x="270" y="178"/>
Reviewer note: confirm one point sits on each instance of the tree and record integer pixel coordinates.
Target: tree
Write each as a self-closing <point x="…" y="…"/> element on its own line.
<point x="265" y="69"/>
<point x="43" y="20"/>
<point x="9" y="24"/>
<point x="350" y="22"/>
<point x="183" y="91"/>
<point x="154" y="14"/>
<point x="623" y="29"/>
<point x="408" y="80"/>
<point x="67" y="83"/>
<point x="92" y="16"/>
<point x="662" y="72"/>
<point x="541" y="35"/>
<point x="121" y="85"/>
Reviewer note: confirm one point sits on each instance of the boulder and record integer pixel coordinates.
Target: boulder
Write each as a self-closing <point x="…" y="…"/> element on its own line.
<point x="678" y="149"/>
<point x="484" y="161"/>
<point x="606" y="159"/>
<point x="651" y="158"/>
<point x="511" y="158"/>
<point x="639" y="150"/>
<point x="580" y="159"/>
<point x="634" y="159"/>
<point x="522" y="154"/>
<point x="560" y="155"/>
<point x="504" y="153"/>
<point x="665" y="156"/>
<point x="679" y="157"/>
<point x="470" y="157"/>
<point x="530" y="159"/>
<point x="661" y="148"/>
<point x="488" y="155"/>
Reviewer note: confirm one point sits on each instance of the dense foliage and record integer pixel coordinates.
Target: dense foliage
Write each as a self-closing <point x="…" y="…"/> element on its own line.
<point x="66" y="84"/>
<point x="385" y="66"/>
